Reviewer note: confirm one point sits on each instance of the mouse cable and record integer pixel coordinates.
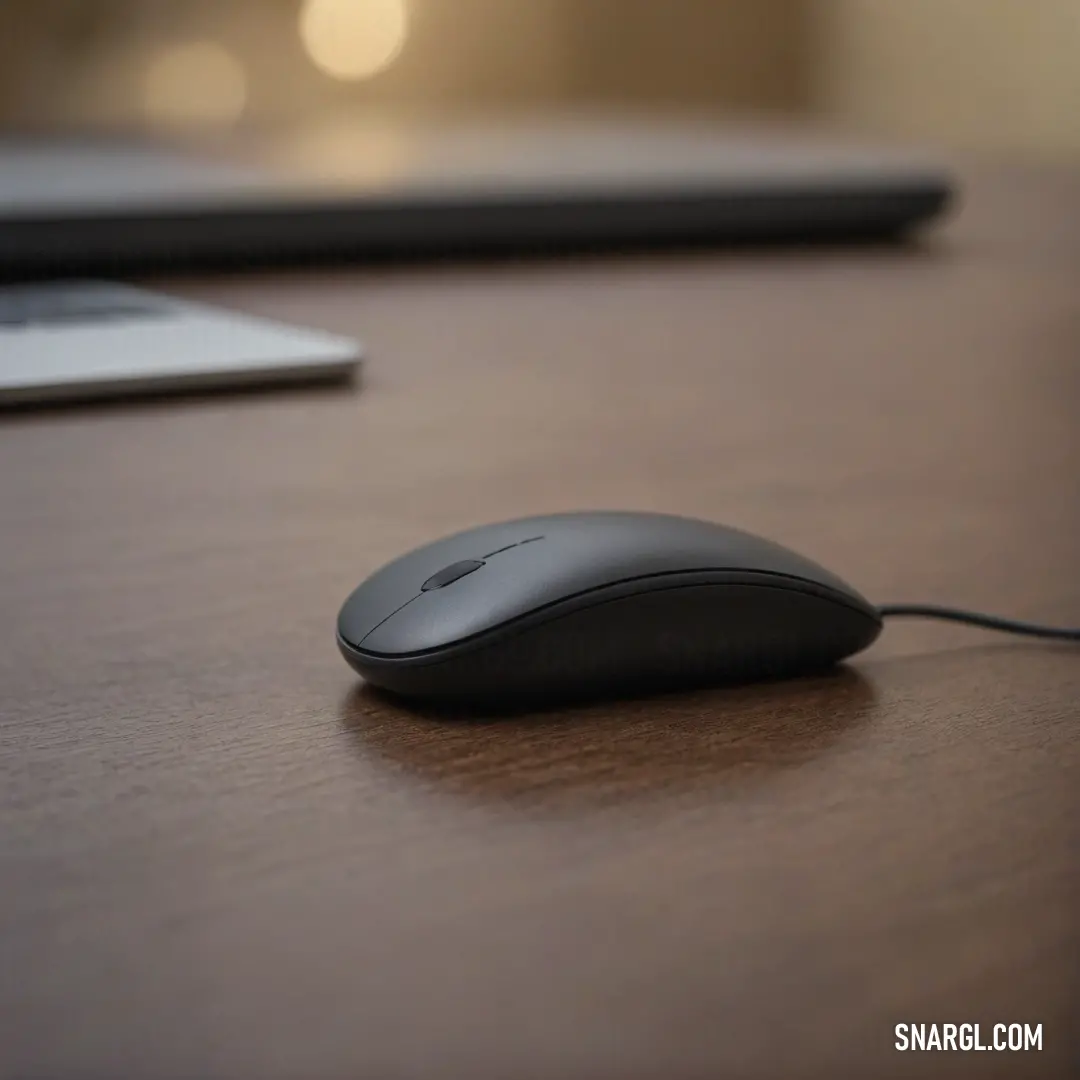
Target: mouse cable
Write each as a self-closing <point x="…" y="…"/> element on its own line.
<point x="974" y="618"/>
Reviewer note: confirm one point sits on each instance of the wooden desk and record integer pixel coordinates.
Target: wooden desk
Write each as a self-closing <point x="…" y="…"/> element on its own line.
<point x="222" y="858"/>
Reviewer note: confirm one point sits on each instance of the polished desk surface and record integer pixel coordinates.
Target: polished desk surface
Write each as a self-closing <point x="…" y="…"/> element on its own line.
<point x="222" y="857"/>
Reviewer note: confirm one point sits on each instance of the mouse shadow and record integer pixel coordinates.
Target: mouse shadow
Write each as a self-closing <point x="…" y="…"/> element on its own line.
<point x="591" y="754"/>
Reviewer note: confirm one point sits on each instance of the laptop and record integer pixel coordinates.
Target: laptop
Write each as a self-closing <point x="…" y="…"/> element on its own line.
<point x="75" y="341"/>
<point x="363" y="189"/>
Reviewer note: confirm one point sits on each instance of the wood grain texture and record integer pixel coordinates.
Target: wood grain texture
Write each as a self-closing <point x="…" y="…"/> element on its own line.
<point x="222" y="857"/>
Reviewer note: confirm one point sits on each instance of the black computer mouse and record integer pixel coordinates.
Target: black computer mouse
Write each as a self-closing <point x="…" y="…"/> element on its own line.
<point x="604" y="603"/>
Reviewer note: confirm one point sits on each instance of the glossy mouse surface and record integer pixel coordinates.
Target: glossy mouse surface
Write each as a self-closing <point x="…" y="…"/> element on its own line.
<point x="597" y="603"/>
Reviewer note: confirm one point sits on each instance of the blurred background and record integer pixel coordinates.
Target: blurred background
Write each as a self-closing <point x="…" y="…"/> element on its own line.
<point x="996" y="75"/>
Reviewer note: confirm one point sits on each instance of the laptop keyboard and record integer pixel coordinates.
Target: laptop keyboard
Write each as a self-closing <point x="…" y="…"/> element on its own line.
<point x="23" y="307"/>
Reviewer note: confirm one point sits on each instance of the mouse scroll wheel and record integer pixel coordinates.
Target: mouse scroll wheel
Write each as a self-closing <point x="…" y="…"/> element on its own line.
<point x="449" y="574"/>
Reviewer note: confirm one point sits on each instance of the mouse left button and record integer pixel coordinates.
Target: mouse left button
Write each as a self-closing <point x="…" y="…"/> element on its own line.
<point x="449" y="574"/>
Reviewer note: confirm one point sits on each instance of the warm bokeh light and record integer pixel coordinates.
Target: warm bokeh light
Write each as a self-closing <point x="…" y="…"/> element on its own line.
<point x="353" y="39"/>
<point x="196" y="84"/>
